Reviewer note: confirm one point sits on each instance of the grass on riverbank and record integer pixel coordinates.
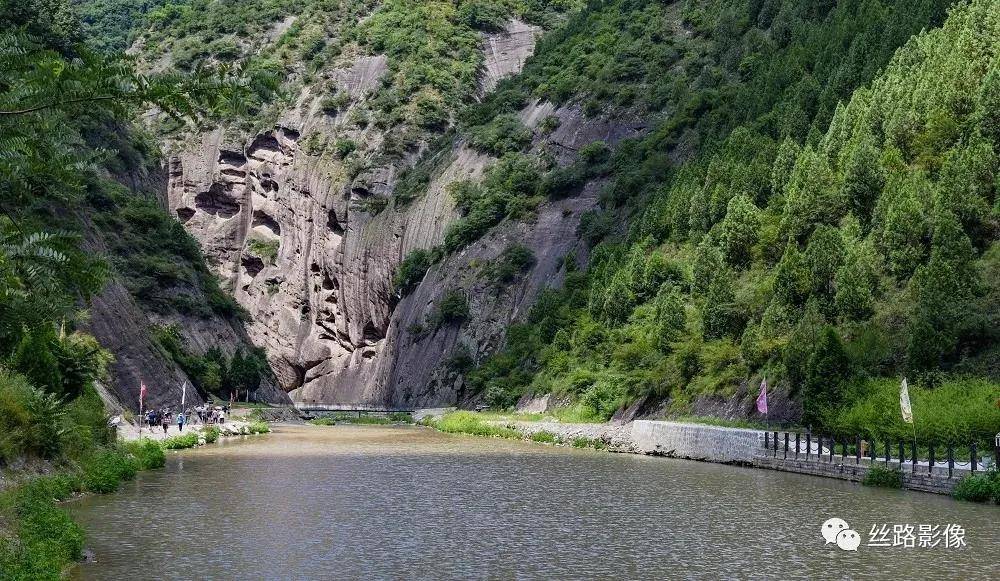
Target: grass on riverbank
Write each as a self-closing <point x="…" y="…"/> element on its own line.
<point x="578" y="414"/>
<point x="463" y="422"/>
<point x="334" y="419"/>
<point x="38" y="540"/>
<point x="575" y="414"/>
<point x="486" y="425"/>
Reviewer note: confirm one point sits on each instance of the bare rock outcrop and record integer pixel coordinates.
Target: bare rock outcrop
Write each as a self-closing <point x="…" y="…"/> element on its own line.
<point x="309" y="245"/>
<point x="505" y="51"/>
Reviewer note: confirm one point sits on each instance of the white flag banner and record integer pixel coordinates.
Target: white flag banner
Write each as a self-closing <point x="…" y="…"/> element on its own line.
<point x="904" y="402"/>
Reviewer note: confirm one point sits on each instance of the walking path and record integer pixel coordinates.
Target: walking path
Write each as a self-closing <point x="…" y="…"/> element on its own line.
<point x="131" y="432"/>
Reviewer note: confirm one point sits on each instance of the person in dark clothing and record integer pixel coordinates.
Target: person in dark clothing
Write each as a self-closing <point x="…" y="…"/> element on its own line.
<point x="165" y="422"/>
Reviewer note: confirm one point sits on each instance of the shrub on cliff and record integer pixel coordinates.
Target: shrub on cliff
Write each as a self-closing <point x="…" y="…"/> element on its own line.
<point x="501" y="135"/>
<point x="452" y="308"/>
<point x="411" y="271"/>
<point x="514" y="260"/>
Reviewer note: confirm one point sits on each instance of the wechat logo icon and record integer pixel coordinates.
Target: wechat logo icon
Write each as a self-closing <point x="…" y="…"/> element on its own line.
<point x="837" y="531"/>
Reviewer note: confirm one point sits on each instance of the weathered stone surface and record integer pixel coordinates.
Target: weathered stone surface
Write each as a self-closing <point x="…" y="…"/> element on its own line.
<point x="325" y="310"/>
<point x="505" y="51"/>
<point x="122" y="328"/>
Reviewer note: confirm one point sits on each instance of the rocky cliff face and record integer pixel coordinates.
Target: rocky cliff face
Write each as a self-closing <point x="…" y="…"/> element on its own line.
<point x="306" y="250"/>
<point x="125" y="328"/>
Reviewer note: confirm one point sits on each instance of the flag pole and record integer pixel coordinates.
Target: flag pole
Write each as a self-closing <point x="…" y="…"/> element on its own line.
<point x="913" y="425"/>
<point x="140" y="408"/>
<point x="767" y="408"/>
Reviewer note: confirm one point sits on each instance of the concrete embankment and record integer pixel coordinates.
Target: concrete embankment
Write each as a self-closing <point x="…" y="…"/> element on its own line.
<point x="743" y="447"/>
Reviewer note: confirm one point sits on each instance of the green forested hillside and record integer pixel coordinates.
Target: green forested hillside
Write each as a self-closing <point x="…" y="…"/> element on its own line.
<point x="823" y="238"/>
<point x="810" y="201"/>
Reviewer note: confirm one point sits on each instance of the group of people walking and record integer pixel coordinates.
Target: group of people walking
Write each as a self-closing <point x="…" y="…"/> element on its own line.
<point x="203" y="413"/>
<point x="164" y="417"/>
<point x="212" y="414"/>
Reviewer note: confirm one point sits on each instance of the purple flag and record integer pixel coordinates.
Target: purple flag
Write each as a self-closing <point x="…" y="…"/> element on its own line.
<point x="762" y="398"/>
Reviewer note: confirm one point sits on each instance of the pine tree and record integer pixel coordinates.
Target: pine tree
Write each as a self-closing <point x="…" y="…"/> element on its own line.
<point x="988" y="106"/>
<point x="792" y="278"/>
<point x="827" y="372"/>
<point x="721" y="316"/>
<point x="863" y="180"/>
<point x="801" y="343"/>
<point x="708" y="263"/>
<point x="945" y="288"/>
<point x="903" y="229"/>
<point x="814" y="196"/>
<point x="740" y="230"/>
<point x="824" y="255"/>
<point x="784" y="163"/>
<point x="670" y="316"/>
<point x="855" y="284"/>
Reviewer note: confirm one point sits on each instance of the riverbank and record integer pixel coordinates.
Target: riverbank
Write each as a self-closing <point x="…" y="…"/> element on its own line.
<point x="727" y="445"/>
<point x="381" y="502"/>
<point x="129" y="432"/>
<point x="38" y="540"/>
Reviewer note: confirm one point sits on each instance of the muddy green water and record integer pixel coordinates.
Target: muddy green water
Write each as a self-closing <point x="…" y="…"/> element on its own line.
<point x="309" y="502"/>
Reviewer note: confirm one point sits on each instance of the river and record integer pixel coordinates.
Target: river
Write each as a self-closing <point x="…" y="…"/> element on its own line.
<point x="349" y="502"/>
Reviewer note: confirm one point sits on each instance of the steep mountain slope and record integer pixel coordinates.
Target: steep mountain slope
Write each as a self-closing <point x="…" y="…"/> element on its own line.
<point x="295" y="218"/>
<point x="866" y="251"/>
<point x="308" y="202"/>
<point x="88" y="249"/>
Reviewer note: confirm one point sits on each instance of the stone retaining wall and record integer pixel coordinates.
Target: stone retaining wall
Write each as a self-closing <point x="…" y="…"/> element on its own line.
<point x="697" y="441"/>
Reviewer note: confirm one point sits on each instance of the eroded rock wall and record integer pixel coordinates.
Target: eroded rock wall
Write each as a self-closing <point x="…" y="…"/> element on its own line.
<point x="324" y="307"/>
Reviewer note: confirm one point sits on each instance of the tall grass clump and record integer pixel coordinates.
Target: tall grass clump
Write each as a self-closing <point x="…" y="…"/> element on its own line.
<point x="462" y="422"/>
<point x="104" y="470"/>
<point x="881" y="477"/>
<point x="979" y="487"/>
<point x="584" y="442"/>
<point x="180" y="442"/>
<point x="148" y="453"/>
<point x="545" y="437"/>
<point x="211" y="434"/>
<point x="324" y="421"/>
